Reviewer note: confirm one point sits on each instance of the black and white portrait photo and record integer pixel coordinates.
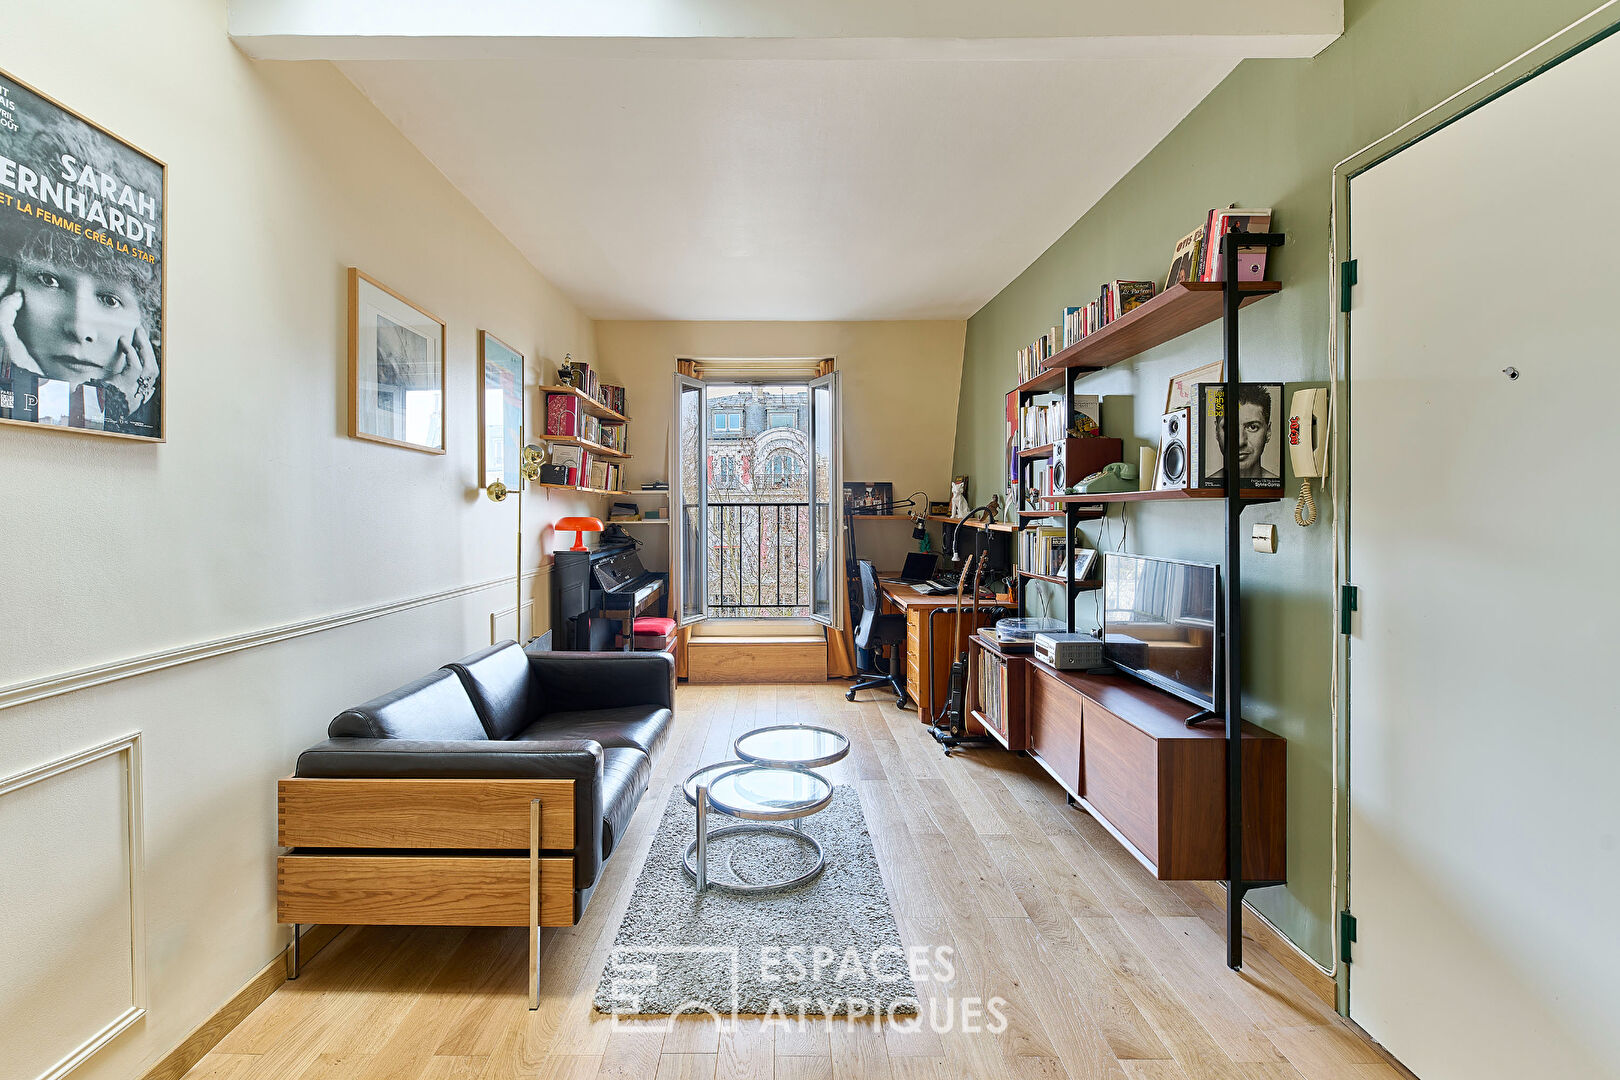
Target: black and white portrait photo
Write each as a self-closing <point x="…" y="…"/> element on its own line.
<point x="81" y="272"/>
<point x="396" y="368"/>
<point x="1259" y="434"/>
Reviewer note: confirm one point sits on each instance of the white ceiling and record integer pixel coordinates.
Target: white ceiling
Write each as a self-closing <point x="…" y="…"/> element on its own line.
<point x="833" y="176"/>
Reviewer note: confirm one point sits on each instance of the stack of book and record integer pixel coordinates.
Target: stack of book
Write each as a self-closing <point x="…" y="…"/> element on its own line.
<point x="582" y="469"/>
<point x="612" y="397"/>
<point x="1031" y="356"/>
<point x="1043" y="549"/>
<point x="612" y="434"/>
<point x="1198" y="256"/>
<point x="1040" y="425"/>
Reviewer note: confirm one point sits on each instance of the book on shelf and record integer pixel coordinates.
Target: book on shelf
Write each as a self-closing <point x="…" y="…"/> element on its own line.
<point x="563" y="414"/>
<point x="611" y="397"/>
<point x="1251" y="260"/>
<point x="1043" y="549"/>
<point x="1087" y="407"/>
<point x="572" y="461"/>
<point x="1122" y="297"/>
<point x="1187" y="263"/>
<point x="624" y="511"/>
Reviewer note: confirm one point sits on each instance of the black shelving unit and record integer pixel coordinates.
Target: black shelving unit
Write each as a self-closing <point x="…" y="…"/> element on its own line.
<point x="1126" y="337"/>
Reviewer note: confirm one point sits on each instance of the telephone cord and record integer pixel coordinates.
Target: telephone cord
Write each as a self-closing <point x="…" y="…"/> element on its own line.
<point x="1305" y="509"/>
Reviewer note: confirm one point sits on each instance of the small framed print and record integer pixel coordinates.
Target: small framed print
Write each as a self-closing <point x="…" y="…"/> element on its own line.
<point x="396" y="368"/>
<point x="1085" y="561"/>
<point x="500" y="411"/>
<point x="1183" y="390"/>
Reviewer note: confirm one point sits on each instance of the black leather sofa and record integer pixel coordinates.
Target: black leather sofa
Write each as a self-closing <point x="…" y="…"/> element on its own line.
<point x="511" y="727"/>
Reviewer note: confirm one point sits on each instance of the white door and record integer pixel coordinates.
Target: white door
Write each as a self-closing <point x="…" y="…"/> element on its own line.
<point x="826" y="502"/>
<point x="688" y="499"/>
<point x="1484" y="725"/>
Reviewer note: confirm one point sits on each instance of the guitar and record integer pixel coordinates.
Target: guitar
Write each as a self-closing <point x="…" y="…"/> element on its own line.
<point x="956" y="697"/>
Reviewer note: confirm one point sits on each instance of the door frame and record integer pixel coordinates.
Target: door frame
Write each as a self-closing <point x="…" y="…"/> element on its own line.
<point x="1578" y="36"/>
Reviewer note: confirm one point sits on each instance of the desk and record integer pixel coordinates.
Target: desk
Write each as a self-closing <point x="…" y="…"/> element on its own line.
<point x="929" y="622"/>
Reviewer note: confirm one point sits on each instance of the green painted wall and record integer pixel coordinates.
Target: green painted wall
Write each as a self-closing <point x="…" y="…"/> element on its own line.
<point x="1269" y="135"/>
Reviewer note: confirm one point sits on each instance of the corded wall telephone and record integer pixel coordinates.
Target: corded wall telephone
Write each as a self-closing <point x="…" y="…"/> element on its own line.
<point x="1307" y="446"/>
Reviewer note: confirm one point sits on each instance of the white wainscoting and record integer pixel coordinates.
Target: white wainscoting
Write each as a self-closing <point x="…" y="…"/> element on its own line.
<point x="76" y="968"/>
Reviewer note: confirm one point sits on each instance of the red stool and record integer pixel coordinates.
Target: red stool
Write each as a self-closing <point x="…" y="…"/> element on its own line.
<point x="654" y="634"/>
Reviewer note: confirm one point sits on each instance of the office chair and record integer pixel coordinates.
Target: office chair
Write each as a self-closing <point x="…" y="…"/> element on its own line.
<point x="874" y="633"/>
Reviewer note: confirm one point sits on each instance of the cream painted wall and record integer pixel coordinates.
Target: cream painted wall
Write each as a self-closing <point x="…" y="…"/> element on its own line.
<point x="899" y="382"/>
<point x="259" y="511"/>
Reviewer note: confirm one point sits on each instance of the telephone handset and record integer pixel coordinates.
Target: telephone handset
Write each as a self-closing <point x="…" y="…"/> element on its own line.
<point x="1307" y="446"/>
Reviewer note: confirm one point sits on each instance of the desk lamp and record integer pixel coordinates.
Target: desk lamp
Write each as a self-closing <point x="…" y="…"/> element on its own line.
<point x="581" y="526"/>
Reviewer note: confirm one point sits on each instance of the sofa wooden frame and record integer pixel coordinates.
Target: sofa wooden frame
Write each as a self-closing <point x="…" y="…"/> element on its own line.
<point x="426" y="852"/>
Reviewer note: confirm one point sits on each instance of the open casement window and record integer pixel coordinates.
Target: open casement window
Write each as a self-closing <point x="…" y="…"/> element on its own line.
<point x="755" y="508"/>
<point x="689" y="496"/>
<point x="826" y="497"/>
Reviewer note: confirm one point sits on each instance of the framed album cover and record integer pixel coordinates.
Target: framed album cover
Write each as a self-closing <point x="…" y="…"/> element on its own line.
<point x="82" y="230"/>
<point x="1261" y="421"/>
<point x="396" y="368"/>
<point x="1184" y="387"/>
<point x="500" y="411"/>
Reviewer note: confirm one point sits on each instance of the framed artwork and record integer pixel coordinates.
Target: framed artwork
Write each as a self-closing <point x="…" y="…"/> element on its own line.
<point x="864" y="497"/>
<point x="82" y="277"/>
<point x="1184" y="387"/>
<point x="500" y="411"/>
<point x="396" y="368"/>
<point x="1085" y="561"/>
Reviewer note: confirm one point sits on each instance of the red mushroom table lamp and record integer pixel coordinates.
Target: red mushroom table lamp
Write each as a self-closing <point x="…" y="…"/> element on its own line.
<point x="581" y="526"/>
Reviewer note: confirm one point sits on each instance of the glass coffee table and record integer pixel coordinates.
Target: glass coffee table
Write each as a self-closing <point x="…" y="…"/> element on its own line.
<point x="772" y="780"/>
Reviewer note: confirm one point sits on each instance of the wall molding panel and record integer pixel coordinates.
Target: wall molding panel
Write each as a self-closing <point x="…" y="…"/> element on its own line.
<point x="128" y="746"/>
<point x="24" y="693"/>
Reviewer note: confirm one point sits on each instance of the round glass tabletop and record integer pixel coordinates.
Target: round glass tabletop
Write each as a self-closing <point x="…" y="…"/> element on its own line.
<point x="792" y="744"/>
<point x="768" y="793"/>
<point x="706" y="775"/>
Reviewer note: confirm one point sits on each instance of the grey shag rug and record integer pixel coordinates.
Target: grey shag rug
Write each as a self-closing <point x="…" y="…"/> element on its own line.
<point x="829" y="948"/>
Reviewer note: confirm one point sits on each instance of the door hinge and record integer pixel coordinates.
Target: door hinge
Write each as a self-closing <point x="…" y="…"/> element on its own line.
<point x="1347" y="281"/>
<point x="1347" y="934"/>
<point x="1348" y="595"/>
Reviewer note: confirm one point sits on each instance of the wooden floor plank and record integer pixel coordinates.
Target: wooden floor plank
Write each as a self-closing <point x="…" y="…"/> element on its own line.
<point x="1108" y="974"/>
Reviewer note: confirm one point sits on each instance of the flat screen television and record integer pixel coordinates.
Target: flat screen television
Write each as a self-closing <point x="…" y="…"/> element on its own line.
<point x="1161" y="623"/>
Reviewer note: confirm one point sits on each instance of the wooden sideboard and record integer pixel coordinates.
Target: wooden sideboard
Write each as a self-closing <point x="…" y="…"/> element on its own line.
<point x="1124" y="752"/>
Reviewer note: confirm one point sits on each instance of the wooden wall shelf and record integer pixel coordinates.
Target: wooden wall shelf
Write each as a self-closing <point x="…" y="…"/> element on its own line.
<point x="1175" y="494"/>
<point x="1178" y="310"/>
<point x="581" y="490"/>
<point x="591" y="405"/>
<point x="994" y="526"/>
<point x="596" y="448"/>
<point x="1082" y="585"/>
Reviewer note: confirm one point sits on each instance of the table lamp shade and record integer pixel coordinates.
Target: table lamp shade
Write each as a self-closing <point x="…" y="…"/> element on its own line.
<point x="580" y="526"/>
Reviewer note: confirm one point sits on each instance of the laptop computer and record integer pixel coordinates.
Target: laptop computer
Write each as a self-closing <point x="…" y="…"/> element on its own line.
<point x="918" y="569"/>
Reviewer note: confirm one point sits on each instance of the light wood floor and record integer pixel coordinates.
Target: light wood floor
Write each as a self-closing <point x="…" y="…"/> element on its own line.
<point x="1107" y="972"/>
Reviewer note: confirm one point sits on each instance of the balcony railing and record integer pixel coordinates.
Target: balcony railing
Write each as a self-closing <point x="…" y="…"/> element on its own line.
<point x="759" y="559"/>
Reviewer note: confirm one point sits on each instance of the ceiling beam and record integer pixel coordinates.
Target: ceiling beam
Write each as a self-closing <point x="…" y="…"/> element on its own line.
<point x="797" y="29"/>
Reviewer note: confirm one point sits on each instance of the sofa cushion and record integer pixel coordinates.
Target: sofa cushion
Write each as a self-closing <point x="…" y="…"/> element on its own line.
<point x="624" y="780"/>
<point x="432" y="707"/>
<point x="637" y="727"/>
<point x="497" y="680"/>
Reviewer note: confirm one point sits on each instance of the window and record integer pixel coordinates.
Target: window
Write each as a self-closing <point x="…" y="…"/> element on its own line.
<point x="727" y="421"/>
<point x="782" y="466"/>
<point x="728" y="472"/>
<point x="781" y="418"/>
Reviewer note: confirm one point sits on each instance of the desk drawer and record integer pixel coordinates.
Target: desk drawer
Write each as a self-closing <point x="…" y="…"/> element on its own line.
<point x="1122" y="777"/>
<point x="1054" y="728"/>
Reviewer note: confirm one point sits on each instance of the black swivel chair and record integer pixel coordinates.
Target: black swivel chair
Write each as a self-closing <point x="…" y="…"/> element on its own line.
<point x="874" y="633"/>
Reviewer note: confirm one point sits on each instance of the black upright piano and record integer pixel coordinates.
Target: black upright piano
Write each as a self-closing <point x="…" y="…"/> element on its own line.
<point x="599" y="592"/>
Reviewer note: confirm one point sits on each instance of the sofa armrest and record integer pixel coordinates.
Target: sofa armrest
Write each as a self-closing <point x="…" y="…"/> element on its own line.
<point x="576" y="681"/>
<point x="579" y="760"/>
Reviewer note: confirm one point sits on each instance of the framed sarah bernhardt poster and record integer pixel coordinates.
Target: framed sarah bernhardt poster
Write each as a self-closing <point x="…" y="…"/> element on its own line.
<point x="82" y="231"/>
<point x="396" y="368"/>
